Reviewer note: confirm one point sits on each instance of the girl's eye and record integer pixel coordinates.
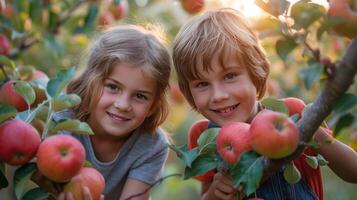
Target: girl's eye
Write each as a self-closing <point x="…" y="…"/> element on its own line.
<point x="141" y="96"/>
<point x="111" y="87"/>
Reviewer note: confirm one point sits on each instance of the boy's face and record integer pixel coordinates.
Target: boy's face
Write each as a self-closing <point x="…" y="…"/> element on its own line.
<point x="127" y="99"/>
<point x="226" y="93"/>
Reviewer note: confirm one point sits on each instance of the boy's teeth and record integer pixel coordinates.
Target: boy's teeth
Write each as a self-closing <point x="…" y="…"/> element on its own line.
<point x="227" y="110"/>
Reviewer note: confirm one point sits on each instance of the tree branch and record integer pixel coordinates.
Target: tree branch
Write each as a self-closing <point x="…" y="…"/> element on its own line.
<point x="314" y="115"/>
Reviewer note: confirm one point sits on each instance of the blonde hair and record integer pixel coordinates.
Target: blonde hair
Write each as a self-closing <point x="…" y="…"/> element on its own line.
<point x="218" y="31"/>
<point x="132" y="44"/>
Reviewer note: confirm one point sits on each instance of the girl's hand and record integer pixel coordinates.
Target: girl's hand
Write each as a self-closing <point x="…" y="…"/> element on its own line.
<point x="46" y="184"/>
<point x="85" y="194"/>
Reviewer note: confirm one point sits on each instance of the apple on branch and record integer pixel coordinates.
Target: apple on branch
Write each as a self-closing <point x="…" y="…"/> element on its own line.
<point x="273" y="134"/>
<point x="60" y="157"/>
<point x="86" y="177"/>
<point x="192" y="6"/>
<point x="9" y="96"/>
<point x="346" y="10"/>
<point x="232" y="140"/>
<point x="19" y="142"/>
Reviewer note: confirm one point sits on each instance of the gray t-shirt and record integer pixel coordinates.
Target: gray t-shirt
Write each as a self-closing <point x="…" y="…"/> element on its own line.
<point x="142" y="157"/>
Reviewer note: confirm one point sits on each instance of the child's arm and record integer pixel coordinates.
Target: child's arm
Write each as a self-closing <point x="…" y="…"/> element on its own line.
<point x="133" y="187"/>
<point x="342" y="158"/>
<point x="220" y="188"/>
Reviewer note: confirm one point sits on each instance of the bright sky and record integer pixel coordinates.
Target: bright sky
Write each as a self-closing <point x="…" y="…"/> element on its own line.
<point x="249" y="8"/>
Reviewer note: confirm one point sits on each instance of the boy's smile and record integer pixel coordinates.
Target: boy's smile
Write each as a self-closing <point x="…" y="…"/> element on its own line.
<point x="224" y="93"/>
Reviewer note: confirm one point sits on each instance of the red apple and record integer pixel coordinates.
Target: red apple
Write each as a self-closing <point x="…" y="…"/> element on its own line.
<point x="273" y="134"/>
<point x="295" y="105"/>
<point x="194" y="133"/>
<point x="9" y="96"/>
<point x="232" y="140"/>
<point x="7" y="10"/>
<point x="87" y="177"/>
<point x="5" y="45"/>
<point x="346" y="10"/>
<point x="60" y="157"/>
<point x="39" y="92"/>
<point x="105" y="19"/>
<point x="192" y="6"/>
<point x="119" y="11"/>
<point x="19" y="142"/>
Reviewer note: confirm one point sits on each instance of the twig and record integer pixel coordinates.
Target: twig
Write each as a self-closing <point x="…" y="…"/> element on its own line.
<point x="152" y="185"/>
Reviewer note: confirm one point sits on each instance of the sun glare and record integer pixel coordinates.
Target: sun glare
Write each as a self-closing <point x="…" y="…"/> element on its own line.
<point x="250" y="9"/>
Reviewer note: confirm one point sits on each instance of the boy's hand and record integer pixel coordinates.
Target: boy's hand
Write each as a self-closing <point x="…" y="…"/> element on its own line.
<point x="85" y="194"/>
<point x="222" y="186"/>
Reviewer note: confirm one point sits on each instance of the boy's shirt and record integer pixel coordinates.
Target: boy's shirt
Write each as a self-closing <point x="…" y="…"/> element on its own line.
<point x="312" y="176"/>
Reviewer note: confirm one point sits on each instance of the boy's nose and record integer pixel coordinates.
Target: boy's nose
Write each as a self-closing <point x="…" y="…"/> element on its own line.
<point x="219" y="94"/>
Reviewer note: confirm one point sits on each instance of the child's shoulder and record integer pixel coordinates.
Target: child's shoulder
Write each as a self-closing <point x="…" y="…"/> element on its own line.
<point x="158" y="139"/>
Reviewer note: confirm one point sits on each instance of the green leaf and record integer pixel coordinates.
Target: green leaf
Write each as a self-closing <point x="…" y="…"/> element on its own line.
<point x="6" y="61"/>
<point x="202" y="164"/>
<point x="248" y="172"/>
<point x="345" y="102"/>
<point x="52" y="43"/>
<point x="311" y="74"/>
<point x="312" y="161"/>
<point x="74" y="126"/>
<point x="305" y="13"/>
<point x="207" y="137"/>
<point x="343" y="122"/>
<point x="284" y="47"/>
<point x="3" y="180"/>
<point x="90" y="18"/>
<point x="6" y="112"/>
<point x="291" y="173"/>
<point x="65" y="101"/>
<point x="24" y="89"/>
<point x="35" y="193"/>
<point x="21" y="177"/>
<point x="35" y="10"/>
<point x="187" y="156"/>
<point x="57" y="84"/>
<point x="275" y="105"/>
<point x="273" y="7"/>
<point x="321" y="160"/>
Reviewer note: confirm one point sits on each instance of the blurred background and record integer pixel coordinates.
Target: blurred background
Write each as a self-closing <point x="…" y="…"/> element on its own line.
<point x="52" y="34"/>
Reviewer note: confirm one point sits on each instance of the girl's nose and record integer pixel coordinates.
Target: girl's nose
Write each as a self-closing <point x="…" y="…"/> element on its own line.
<point x="122" y="103"/>
<point x="219" y="93"/>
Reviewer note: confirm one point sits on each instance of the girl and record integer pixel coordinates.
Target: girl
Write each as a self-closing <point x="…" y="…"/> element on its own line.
<point x="123" y="92"/>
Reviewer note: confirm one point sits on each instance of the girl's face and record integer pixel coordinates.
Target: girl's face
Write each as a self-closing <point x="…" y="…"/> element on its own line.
<point x="226" y="93"/>
<point x="127" y="99"/>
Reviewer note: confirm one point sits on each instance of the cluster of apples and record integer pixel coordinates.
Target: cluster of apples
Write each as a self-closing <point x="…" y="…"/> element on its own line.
<point x="271" y="134"/>
<point x="60" y="158"/>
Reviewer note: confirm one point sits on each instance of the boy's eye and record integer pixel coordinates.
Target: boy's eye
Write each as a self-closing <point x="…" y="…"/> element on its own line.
<point x="201" y="84"/>
<point x="230" y="76"/>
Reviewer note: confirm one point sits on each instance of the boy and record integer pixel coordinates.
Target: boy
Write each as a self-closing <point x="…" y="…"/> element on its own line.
<point x="222" y="72"/>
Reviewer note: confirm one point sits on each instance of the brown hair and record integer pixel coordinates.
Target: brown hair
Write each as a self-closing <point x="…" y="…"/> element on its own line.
<point x="218" y="31"/>
<point x="132" y="44"/>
